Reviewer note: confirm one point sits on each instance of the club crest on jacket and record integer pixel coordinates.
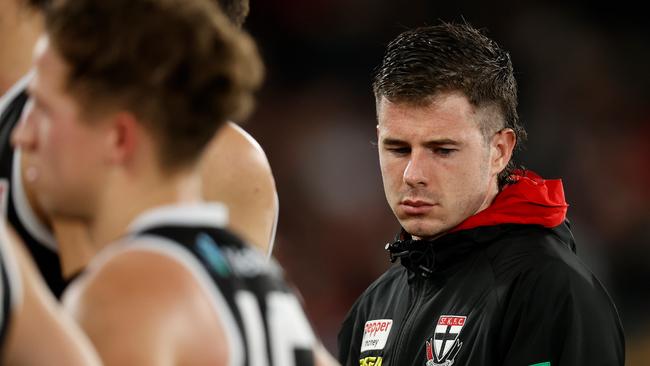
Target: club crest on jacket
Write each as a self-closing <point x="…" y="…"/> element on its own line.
<point x="443" y="347"/>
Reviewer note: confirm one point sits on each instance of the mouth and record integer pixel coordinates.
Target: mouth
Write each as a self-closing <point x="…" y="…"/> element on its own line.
<point x="415" y="207"/>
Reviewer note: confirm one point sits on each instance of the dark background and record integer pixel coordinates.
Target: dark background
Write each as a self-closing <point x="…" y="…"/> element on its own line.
<point x="584" y="85"/>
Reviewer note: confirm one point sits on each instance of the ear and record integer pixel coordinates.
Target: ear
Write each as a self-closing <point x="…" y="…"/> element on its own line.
<point x="123" y="137"/>
<point x="503" y="143"/>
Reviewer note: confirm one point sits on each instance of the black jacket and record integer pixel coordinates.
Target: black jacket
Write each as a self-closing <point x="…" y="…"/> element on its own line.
<point x="507" y="294"/>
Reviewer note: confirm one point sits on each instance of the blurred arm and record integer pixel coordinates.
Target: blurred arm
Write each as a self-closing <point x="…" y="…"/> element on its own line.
<point x="323" y="357"/>
<point x="40" y="333"/>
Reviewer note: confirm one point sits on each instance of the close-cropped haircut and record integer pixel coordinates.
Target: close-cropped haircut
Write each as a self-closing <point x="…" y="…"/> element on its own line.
<point x="424" y="62"/>
<point x="179" y="66"/>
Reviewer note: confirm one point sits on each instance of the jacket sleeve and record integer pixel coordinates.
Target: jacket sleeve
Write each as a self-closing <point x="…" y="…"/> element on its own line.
<point x="556" y="315"/>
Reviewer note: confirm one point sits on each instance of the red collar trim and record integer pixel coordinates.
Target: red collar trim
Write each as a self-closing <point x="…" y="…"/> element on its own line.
<point x="529" y="200"/>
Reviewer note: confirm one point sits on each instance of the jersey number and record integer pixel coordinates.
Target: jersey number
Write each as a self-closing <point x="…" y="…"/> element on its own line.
<point x="288" y="328"/>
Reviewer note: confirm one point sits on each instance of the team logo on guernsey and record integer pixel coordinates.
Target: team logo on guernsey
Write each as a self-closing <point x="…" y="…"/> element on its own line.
<point x="443" y="347"/>
<point x="375" y="334"/>
<point x="212" y="255"/>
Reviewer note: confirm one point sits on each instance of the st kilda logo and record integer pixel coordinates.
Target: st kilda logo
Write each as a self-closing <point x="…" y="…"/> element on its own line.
<point x="443" y="347"/>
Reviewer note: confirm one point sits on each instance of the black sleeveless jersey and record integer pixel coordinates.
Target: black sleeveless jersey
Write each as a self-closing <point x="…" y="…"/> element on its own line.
<point x="9" y="284"/>
<point x="37" y="238"/>
<point x="264" y="320"/>
<point x="5" y="294"/>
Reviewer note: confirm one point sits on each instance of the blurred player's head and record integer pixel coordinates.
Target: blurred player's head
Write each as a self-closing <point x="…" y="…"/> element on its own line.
<point x="235" y="10"/>
<point x="125" y="81"/>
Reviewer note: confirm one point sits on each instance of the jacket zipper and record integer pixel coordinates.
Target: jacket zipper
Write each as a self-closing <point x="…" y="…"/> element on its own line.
<point x="407" y="320"/>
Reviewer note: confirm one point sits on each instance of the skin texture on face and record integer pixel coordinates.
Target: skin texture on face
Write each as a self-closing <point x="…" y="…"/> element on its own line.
<point x="65" y="151"/>
<point x="436" y="165"/>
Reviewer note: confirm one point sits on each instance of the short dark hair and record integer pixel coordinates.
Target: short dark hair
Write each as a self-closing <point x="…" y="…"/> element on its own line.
<point x="37" y="4"/>
<point x="426" y="61"/>
<point x="235" y="10"/>
<point x="178" y="65"/>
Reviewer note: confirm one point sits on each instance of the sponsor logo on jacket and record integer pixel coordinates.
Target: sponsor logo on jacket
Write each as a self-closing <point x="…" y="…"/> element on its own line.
<point x="371" y="361"/>
<point x="375" y="334"/>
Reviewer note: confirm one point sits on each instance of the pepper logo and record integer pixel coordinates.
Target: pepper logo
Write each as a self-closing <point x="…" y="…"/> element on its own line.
<point x="375" y="334"/>
<point x="443" y="347"/>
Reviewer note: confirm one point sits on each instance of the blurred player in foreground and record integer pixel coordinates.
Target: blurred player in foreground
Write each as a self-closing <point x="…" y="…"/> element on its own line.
<point x="123" y="103"/>
<point x="234" y="168"/>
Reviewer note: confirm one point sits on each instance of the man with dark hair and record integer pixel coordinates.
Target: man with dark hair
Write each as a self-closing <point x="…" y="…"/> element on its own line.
<point x="122" y="105"/>
<point x="488" y="272"/>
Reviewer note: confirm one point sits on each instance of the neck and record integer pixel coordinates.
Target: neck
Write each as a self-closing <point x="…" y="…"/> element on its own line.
<point x="128" y="199"/>
<point x="492" y="192"/>
<point x="19" y="30"/>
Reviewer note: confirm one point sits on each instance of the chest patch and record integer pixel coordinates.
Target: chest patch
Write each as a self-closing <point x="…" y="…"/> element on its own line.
<point x="375" y="334"/>
<point x="443" y="347"/>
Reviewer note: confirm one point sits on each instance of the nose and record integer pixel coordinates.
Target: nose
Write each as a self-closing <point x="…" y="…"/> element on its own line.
<point x="23" y="135"/>
<point x="415" y="172"/>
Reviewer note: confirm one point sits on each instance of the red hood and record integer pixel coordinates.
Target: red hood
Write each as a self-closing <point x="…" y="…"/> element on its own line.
<point x="529" y="200"/>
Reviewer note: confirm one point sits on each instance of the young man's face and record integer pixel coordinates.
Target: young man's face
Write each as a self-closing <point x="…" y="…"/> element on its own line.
<point x="436" y="166"/>
<point x="63" y="151"/>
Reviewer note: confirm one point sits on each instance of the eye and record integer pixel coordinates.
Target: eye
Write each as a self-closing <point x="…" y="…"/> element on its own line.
<point x="399" y="150"/>
<point x="441" y="151"/>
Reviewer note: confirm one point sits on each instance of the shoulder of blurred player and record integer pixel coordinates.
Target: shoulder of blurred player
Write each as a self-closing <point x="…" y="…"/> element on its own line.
<point x="40" y="332"/>
<point x="139" y="307"/>
<point x="323" y="358"/>
<point x="235" y="171"/>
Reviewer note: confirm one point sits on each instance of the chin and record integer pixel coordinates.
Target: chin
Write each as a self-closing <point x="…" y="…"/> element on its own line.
<point x="55" y="208"/>
<point x="422" y="229"/>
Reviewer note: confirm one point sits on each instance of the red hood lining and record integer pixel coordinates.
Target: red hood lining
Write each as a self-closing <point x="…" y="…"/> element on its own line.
<point x="529" y="200"/>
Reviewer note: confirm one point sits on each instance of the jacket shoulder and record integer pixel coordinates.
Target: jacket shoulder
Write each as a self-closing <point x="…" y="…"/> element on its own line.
<point x="534" y="250"/>
<point x="544" y="286"/>
<point x="534" y="260"/>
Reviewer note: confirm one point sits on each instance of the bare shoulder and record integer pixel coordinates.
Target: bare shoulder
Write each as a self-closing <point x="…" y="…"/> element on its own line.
<point x="232" y="146"/>
<point x="236" y="171"/>
<point x="146" y="307"/>
<point x="132" y="276"/>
